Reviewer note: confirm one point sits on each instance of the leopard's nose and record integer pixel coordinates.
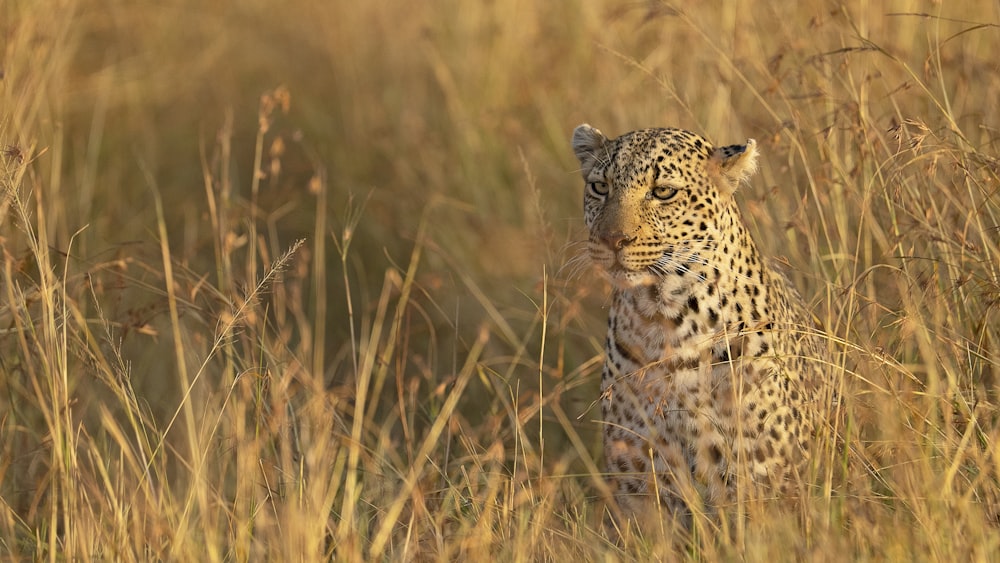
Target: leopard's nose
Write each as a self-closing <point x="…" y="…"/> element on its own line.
<point x="617" y="240"/>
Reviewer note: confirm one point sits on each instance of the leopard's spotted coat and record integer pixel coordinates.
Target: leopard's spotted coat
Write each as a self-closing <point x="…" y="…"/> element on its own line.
<point x="715" y="379"/>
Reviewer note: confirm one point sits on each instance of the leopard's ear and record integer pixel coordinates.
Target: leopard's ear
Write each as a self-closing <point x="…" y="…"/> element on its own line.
<point x="588" y="145"/>
<point x="735" y="163"/>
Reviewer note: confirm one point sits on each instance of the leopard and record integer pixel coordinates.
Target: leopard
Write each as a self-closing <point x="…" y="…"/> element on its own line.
<point x="716" y="379"/>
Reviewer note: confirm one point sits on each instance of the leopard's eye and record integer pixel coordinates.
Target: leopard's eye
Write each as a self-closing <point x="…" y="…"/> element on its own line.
<point x="664" y="193"/>
<point x="599" y="189"/>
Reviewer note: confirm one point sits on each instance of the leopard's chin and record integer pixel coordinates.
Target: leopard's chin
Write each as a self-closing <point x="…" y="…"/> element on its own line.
<point x="623" y="278"/>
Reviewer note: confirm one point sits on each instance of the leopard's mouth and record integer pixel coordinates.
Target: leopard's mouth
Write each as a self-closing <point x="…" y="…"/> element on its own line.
<point x="612" y="264"/>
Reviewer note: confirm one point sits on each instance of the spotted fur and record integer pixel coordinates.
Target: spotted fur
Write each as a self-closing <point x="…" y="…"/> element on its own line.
<point x="715" y="378"/>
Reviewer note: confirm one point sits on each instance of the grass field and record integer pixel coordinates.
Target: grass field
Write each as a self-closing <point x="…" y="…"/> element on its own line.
<point x="286" y="280"/>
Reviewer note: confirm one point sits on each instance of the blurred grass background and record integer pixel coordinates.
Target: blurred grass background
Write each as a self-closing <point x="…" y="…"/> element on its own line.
<point x="416" y="379"/>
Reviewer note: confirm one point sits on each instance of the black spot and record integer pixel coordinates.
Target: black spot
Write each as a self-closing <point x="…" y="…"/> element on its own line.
<point x="654" y="292"/>
<point x="703" y="226"/>
<point x="693" y="303"/>
<point x="713" y="315"/>
<point x="715" y="453"/>
<point x="626" y="353"/>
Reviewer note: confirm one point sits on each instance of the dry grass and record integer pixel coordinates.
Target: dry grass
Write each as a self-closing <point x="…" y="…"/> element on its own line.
<point x="183" y="379"/>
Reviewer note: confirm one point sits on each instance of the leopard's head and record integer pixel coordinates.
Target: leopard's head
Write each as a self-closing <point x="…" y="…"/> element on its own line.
<point x="653" y="197"/>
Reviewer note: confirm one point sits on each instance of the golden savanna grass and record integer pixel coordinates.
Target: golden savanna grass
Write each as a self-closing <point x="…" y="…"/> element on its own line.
<point x="287" y="280"/>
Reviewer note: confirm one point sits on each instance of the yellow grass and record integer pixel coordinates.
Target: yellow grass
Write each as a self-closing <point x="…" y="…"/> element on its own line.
<point x="183" y="379"/>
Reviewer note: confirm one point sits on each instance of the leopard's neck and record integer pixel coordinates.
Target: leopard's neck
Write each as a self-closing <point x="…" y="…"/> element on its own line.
<point x="720" y="302"/>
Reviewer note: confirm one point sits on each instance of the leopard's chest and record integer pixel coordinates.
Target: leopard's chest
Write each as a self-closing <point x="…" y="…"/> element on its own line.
<point x="649" y="385"/>
<point x="680" y="377"/>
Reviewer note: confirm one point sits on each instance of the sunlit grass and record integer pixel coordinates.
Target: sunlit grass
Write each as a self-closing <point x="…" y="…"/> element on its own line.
<point x="184" y="379"/>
